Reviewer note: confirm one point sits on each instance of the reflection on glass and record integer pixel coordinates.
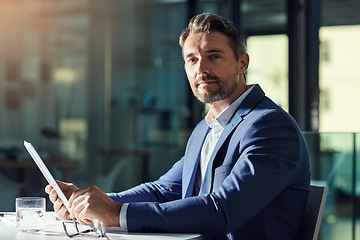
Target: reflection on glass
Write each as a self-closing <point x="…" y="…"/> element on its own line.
<point x="339" y="79"/>
<point x="334" y="157"/>
<point x="269" y="66"/>
<point x="55" y="70"/>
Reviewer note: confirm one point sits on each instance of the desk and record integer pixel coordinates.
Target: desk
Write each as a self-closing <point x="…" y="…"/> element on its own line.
<point x="55" y="231"/>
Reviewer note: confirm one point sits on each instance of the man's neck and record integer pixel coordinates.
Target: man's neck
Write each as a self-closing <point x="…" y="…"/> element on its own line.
<point x="219" y="106"/>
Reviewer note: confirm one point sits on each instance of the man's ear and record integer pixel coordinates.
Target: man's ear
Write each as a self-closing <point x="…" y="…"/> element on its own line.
<point x="243" y="63"/>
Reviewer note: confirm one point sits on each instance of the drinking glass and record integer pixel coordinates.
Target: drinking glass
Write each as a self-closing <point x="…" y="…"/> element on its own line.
<point x="30" y="214"/>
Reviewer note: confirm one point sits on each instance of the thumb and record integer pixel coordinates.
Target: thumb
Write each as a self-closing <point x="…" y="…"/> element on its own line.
<point x="48" y="189"/>
<point x="63" y="185"/>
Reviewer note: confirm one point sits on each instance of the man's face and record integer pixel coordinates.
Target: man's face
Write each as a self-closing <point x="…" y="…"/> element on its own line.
<point x="211" y="67"/>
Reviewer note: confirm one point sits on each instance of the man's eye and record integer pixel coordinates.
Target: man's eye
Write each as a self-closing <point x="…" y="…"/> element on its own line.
<point x="192" y="60"/>
<point x="215" y="56"/>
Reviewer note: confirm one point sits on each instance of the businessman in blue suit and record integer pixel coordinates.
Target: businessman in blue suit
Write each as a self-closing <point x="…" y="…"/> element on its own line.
<point x="245" y="172"/>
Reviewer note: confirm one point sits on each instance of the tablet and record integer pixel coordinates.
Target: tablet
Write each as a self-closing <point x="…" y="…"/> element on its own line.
<point x="39" y="162"/>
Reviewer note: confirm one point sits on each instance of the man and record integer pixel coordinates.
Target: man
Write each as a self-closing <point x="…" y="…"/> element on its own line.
<point x="245" y="172"/>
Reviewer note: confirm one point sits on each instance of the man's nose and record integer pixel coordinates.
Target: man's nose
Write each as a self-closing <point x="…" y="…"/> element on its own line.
<point x="203" y="67"/>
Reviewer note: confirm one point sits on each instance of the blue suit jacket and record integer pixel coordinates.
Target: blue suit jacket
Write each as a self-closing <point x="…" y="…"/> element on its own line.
<point x="255" y="186"/>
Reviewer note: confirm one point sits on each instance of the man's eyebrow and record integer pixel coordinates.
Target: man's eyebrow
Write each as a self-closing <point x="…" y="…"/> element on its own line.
<point x="215" y="51"/>
<point x="207" y="51"/>
<point x="189" y="54"/>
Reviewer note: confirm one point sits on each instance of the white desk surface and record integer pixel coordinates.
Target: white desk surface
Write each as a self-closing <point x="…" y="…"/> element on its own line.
<point x="54" y="231"/>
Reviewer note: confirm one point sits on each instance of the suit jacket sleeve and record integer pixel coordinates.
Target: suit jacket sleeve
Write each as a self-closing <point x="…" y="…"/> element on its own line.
<point x="167" y="188"/>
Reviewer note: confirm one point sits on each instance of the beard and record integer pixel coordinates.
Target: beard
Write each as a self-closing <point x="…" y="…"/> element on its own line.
<point x="223" y="89"/>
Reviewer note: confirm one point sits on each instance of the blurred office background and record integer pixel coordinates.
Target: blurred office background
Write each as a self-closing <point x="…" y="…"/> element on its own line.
<point x="99" y="88"/>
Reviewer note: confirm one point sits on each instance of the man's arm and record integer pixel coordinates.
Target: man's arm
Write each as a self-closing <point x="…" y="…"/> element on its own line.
<point x="90" y="202"/>
<point x="166" y="188"/>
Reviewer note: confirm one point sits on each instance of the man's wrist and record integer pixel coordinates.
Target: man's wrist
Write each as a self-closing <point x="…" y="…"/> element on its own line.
<point x="122" y="217"/>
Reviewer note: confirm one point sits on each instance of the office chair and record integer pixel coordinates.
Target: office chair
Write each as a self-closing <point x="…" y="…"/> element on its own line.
<point x="313" y="213"/>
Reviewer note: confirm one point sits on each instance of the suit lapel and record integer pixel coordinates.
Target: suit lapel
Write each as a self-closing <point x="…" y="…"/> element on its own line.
<point x="193" y="152"/>
<point x="245" y="107"/>
<point x="206" y="185"/>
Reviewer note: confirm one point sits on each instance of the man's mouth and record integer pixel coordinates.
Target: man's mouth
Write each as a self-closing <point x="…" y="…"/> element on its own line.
<point x="205" y="82"/>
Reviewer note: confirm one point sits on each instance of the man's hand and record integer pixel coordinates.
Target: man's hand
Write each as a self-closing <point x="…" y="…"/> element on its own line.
<point x="59" y="207"/>
<point x="85" y="204"/>
<point x="91" y="203"/>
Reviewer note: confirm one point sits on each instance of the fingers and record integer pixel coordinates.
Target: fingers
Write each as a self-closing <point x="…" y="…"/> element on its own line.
<point x="57" y="204"/>
<point x="77" y="205"/>
<point x="62" y="213"/>
<point x="52" y="193"/>
<point x="48" y="188"/>
<point x="59" y="208"/>
<point x="81" y="201"/>
<point x="53" y="196"/>
<point x="67" y="188"/>
<point x="89" y="203"/>
<point x="78" y="193"/>
<point x="83" y="214"/>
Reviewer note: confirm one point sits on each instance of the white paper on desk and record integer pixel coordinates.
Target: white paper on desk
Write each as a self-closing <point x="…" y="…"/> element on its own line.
<point x="9" y="218"/>
<point x="39" y="162"/>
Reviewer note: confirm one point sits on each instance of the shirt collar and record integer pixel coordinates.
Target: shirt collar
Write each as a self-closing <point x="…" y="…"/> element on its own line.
<point x="224" y="117"/>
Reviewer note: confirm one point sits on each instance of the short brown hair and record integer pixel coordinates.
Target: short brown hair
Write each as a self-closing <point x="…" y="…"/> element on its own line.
<point x="210" y="22"/>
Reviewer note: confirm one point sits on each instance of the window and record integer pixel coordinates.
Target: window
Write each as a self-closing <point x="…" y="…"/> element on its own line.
<point x="339" y="80"/>
<point x="269" y="66"/>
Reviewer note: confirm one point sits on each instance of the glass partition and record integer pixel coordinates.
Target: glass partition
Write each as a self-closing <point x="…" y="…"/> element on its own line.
<point x="271" y="75"/>
<point x="334" y="94"/>
<point x="98" y="87"/>
<point x="335" y="163"/>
